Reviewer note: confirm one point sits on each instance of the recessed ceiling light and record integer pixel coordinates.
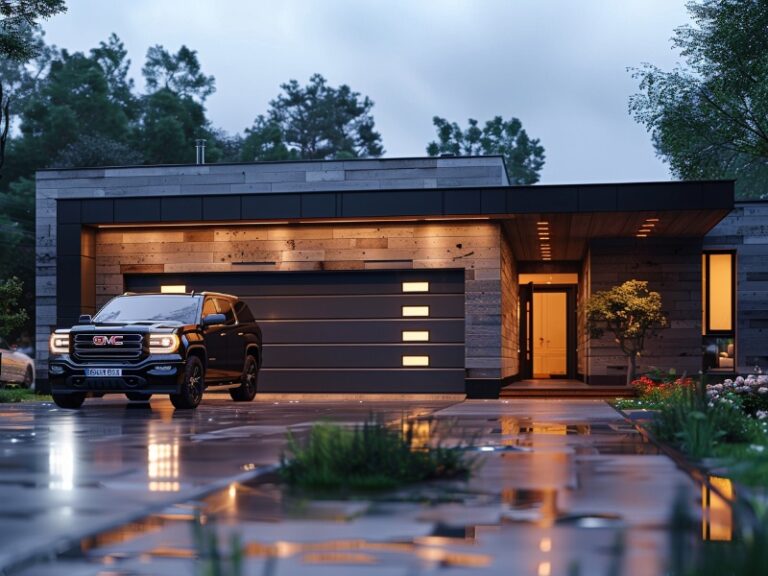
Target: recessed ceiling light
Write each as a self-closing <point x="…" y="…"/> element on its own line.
<point x="651" y="219"/>
<point x="542" y="223"/>
<point x="641" y="235"/>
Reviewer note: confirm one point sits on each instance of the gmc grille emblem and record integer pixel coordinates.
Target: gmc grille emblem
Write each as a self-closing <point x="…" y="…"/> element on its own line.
<point x="116" y="340"/>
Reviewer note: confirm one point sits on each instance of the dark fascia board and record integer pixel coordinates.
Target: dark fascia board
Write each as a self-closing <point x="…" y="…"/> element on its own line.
<point x="265" y="162"/>
<point x="493" y="202"/>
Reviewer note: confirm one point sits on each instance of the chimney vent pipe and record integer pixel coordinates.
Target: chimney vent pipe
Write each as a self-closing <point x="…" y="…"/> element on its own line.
<point x="200" y="151"/>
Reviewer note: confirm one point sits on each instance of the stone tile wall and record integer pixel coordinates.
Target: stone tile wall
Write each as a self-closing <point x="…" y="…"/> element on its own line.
<point x="473" y="246"/>
<point x="510" y="313"/>
<point x="745" y="230"/>
<point x="672" y="267"/>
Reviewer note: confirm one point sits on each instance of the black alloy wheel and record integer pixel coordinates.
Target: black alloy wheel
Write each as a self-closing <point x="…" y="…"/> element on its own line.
<point x="192" y="387"/>
<point x="247" y="389"/>
<point x="70" y="401"/>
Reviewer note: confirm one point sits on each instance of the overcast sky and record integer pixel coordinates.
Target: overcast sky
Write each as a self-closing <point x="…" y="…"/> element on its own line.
<point x="557" y="65"/>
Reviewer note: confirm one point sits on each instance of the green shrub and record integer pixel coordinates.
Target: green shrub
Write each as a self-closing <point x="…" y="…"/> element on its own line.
<point x="696" y="425"/>
<point x="367" y="457"/>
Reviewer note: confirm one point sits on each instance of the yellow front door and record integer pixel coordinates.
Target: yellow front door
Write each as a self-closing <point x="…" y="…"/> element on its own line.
<point x="549" y="334"/>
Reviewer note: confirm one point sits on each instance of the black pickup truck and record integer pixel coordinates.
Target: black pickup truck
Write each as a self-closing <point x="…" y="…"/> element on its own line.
<point x="145" y="344"/>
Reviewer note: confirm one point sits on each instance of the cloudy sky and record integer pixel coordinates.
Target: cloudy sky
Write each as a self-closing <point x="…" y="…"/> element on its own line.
<point x="558" y="65"/>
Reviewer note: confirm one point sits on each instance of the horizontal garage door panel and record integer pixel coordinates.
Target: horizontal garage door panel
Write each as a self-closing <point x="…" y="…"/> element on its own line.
<point x="360" y="356"/>
<point x="350" y="331"/>
<point x="334" y="331"/>
<point x="303" y="283"/>
<point x="388" y="381"/>
<point x="360" y="307"/>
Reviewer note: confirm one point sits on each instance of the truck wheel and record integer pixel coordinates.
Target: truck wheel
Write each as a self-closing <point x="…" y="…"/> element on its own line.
<point x="71" y="401"/>
<point x="138" y="396"/>
<point x="247" y="389"/>
<point x="192" y="387"/>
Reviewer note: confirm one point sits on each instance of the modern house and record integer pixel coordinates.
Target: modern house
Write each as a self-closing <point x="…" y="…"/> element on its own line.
<point x="412" y="275"/>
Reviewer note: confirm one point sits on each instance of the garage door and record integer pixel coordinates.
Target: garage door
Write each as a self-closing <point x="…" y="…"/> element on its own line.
<point x="361" y="331"/>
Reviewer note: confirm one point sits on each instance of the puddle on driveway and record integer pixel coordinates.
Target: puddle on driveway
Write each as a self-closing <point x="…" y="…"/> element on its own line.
<point x="550" y="494"/>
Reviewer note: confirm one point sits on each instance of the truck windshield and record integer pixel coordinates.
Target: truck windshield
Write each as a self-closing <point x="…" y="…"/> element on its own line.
<point x="182" y="309"/>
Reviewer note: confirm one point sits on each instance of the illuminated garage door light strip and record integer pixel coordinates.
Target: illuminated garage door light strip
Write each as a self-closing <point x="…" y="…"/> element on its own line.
<point x="415" y="335"/>
<point x="415" y="286"/>
<point x="412" y="361"/>
<point x="173" y="289"/>
<point x="416" y="311"/>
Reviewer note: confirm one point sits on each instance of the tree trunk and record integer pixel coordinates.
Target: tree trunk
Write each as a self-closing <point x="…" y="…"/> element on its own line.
<point x="631" y="367"/>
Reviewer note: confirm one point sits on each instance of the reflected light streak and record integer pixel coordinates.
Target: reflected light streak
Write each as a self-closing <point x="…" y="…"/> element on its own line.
<point x="545" y="545"/>
<point x="163" y="465"/>
<point x="716" y="512"/>
<point x="545" y="569"/>
<point x="61" y="456"/>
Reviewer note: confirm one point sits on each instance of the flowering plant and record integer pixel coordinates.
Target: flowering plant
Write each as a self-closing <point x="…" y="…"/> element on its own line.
<point x="749" y="393"/>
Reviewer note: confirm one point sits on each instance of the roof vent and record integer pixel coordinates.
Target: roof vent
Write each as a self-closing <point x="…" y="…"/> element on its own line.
<point x="200" y="151"/>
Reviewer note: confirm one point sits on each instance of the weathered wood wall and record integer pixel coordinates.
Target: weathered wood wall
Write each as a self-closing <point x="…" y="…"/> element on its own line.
<point x="475" y="246"/>
<point x="510" y="319"/>
<point x="672" y="267"/>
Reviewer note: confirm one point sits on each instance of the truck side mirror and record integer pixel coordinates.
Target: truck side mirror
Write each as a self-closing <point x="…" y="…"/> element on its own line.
<point x="84" y="319"/>
<point x="213" y="319"/>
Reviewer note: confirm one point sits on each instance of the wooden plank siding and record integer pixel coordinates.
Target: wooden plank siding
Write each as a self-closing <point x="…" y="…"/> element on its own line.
<point x="474" y="246"/>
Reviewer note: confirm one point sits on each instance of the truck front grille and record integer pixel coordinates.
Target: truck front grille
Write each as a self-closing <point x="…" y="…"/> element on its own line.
<point x="104" y="346"/>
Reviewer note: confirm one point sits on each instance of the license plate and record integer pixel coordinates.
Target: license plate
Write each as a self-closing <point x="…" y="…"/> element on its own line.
<point x="103" y="372"/>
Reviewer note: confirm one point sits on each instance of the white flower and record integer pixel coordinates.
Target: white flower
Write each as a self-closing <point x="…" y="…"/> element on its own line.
<point x="761" y="414"/>
<point x="762" y="390"/>
<point x="740" y="380"/>
<point x="719" y="387"/>
<point x="727" y="382"/>
<point x="756" y="447"/>
<point x="762" y="379"/>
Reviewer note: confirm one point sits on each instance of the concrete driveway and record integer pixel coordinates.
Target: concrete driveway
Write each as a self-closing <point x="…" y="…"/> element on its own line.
<point x="69" y="474"/>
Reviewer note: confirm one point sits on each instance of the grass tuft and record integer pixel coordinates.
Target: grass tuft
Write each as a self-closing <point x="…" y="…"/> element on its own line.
<point x="15" y="395"/>
<point x="370" y="457"/>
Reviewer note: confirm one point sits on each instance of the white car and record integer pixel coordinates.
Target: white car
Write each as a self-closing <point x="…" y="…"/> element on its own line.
<point x="16" y="367"/>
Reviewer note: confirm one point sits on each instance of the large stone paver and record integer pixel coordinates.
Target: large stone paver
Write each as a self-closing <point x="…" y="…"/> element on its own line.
<point x="559" y="484"/>
<point x="67" y="474"/>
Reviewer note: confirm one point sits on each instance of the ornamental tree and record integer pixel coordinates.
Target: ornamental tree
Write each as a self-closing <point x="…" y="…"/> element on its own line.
<point x="630" y="312"/>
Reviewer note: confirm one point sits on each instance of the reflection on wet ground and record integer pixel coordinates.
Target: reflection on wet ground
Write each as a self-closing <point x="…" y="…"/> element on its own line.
<point x="560" y="486"/>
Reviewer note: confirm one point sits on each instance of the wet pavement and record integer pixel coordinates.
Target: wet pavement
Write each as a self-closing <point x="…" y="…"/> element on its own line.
<point x="561" y="487"/>
<point x="66" y="474"/>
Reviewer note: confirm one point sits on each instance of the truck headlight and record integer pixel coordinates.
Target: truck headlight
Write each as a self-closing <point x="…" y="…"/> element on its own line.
<point x="163" y="343"/>
<point x="59" y="343"/>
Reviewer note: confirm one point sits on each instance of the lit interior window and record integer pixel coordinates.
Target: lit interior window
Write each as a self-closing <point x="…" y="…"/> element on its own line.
<point x="415" y="286"/>
<point x="173" y="289"/>
<point x="720" y="292"/>
<point x="415" y="361"/>
<point x="415" y="335"/>
<point x="416" y="311"/>
<point x="716" y="516"/>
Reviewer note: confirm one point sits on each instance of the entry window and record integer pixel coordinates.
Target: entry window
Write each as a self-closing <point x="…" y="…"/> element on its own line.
<point x="718" y="323"/>
<point x="226" y="308"/>
<point x="209" y="307"/>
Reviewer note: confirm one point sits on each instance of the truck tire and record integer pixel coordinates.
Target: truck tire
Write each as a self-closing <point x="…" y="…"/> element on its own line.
<point x="192" y="386"/>
<point x="247" y="390"/>
<point x="70" y="401"/>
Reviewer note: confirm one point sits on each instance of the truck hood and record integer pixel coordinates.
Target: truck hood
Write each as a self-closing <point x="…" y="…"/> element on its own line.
<point x="132" y="327"/>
